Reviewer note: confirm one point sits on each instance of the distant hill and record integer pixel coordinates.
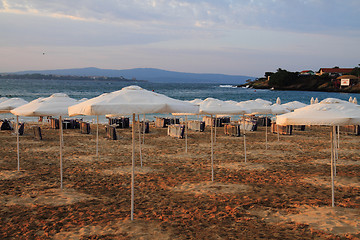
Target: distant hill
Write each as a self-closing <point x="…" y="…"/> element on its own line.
<point x="149" y="74"/>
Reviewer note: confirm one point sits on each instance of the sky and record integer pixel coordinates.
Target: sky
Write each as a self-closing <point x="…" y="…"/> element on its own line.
<point x="235" y="37"/>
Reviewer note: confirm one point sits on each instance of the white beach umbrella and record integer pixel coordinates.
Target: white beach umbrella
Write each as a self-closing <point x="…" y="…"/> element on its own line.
<point x="312" y="100"/>
<point x="294" y="105"/>
<point x="211" y="106"/>
<point x="350" y="99"/>
<point x="329" y="112"/>
<point x="278" y="101"/>
<point x="262" y="101"/>
<point x="316" y="100"/>
<point x="354" y="100"/>
<point x="132" y="100"/>
<point x="10" y="104"/>
<point x="195" y="101"/>
<point x="55" y="105"/>
<point x="2" y="99"/>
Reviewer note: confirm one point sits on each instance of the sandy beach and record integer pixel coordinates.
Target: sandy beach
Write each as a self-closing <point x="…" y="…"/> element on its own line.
<point x="283" y="192"/>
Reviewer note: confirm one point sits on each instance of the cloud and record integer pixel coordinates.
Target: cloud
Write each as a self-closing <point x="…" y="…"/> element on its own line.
<point x="227" y="34"/>
<point x="295" y="15"/>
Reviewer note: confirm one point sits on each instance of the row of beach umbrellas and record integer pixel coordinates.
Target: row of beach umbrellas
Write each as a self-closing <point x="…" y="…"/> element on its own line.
<point x="134" y="100"/>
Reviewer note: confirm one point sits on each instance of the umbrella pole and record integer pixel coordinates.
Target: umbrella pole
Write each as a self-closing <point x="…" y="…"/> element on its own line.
<point x="17" y="143"/>
<point x="338" y="132"/>
<point x="186" y="134"/>
<point x="332" y="169"/>
<point x="144" y="130"/>
<point x="97" y="136"/>
<point x="215" y="128"/>
<point x="277" y="129"/>
<point x="133" y="168"/>
<point x="266" y="126"/>
<point x="141" y="163"/>
<point x="244" y="137"/>
<point x="212" y="149"/>
<point x="61" y="147"/>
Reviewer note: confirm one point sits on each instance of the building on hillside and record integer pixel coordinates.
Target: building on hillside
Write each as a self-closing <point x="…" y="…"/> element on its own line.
<point x="348" y="80"/>
<point x="307" y="72"/>
<point x="334" y="71"/>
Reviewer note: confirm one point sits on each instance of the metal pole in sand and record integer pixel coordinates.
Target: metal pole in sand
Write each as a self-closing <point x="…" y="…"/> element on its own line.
<point x="277" y="129"/>
<point x="212" y="149"/>
<point x="332" y="168"/>
<point x="144" y="129"/>
<point x="141" y="163"/>
<point x="266" y="128"/>
<point x="244" y="137"/>
<point x="97" y="136"/>
<point x="133" y="168"/>
<point x="186" y="134"/>
<point x="17" y="143"/>
<point x="61" y="147"/>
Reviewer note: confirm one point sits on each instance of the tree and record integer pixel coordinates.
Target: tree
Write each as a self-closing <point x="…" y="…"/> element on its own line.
<point x="283" y="78"/>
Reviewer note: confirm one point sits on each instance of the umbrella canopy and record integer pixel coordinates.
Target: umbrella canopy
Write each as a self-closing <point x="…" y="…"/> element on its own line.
<point x="354" y="100"/>
<point x="10" y="104"/>
<point x="2" y="99"/>
<point x="130" y="100"/>
<point x="278" y="101"/>
<point x="262" y="101"/>
<point x="55" y="105"/>
<point x="294" y="105"/>
<point x="212" y="106"/>
<point x="255" y="107"/>
<point x="278" y="109"/>
<point x="330" y="112"/>
<point x="196" y="101"/>
<point x="312" y="100"/>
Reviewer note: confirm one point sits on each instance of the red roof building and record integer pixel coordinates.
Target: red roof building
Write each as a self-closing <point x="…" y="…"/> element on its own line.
<point x="335" y="71"/>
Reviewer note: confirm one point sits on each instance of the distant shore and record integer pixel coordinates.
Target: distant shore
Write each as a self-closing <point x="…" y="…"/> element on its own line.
<point x="37" y="76"/>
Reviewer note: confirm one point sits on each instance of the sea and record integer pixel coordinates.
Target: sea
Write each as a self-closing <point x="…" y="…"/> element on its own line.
<point x="33" y="89"/>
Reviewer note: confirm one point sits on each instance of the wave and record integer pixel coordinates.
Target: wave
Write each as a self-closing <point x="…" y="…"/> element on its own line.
<point x="228" y="86"/>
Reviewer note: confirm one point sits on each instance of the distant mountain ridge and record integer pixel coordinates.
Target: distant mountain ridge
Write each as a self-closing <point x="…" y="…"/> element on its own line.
<point x="149" y="74"/>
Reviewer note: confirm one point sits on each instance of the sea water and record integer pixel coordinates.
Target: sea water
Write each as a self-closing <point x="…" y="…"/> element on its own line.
<point x="33" y="89"/>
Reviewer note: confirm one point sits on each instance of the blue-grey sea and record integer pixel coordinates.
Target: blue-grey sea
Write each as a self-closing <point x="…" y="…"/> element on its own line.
<point x="32" y="89"/>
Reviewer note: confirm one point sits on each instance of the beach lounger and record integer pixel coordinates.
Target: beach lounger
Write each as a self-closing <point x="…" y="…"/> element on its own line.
<point x="111" y="132"/>
<point x="283" y="129"/>
<point x="54" y="122"/>
<point x="21" y="128"/>
<point x="232" y="129"/>
<point x="120" y="122"/>
<point x="351" y="129"/>
<point x="147" y="127"/>
<point x="250" y="125"/>
<point x="196" y="125"/>
<point x="85" y="128"/>
<point x="37" y="132"/>
<point x="299" y="127"/>
<point x="261" y="121"/>
<point x="176" y="130"/>
<point x="218" y="122"/>
<point x="164" y="122"/>
<point x="5" y="125"/>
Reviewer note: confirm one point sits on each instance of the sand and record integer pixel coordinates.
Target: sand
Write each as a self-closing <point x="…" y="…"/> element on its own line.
<point x="283" y="192"/>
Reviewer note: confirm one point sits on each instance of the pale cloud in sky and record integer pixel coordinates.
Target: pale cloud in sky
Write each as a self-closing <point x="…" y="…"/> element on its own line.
<point x="230" y="36"/>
